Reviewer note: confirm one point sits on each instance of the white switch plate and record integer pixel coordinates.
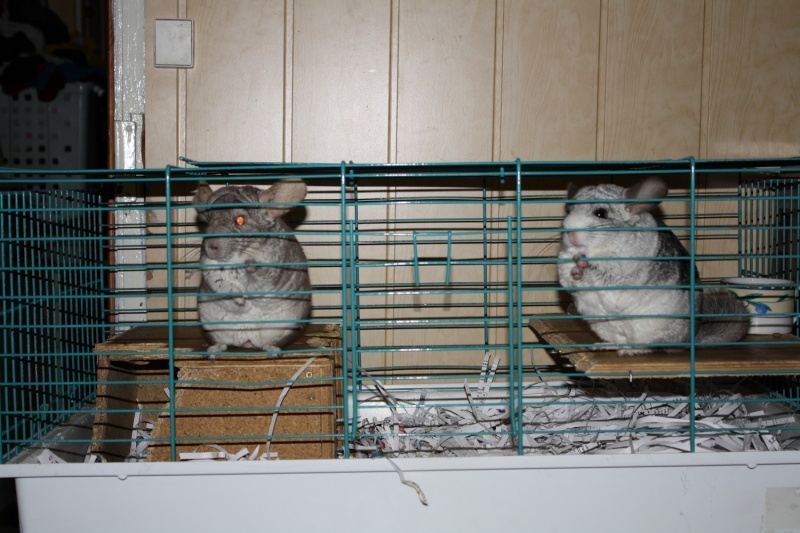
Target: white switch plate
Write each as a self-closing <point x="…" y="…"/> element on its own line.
<point x="173" y="43"/>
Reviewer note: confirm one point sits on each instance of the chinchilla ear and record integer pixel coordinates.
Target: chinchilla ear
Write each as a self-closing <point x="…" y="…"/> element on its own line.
<point x="652" y="188"/>
<point x="571" y="190"/>
<point x="288" y="191"/>
<point x="201" y="197"/>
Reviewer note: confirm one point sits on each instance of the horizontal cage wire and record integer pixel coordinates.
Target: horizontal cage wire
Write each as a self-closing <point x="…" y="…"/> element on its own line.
<point x="310" y="311"/>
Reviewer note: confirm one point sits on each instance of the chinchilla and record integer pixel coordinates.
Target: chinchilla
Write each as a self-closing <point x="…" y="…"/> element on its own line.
<point x="611" y="239"/>
<point x="255" y="290"/>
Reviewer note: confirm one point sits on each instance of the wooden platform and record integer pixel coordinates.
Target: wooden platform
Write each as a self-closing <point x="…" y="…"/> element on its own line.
<point x="151" y="343"/>
<point x="766" y="356"/>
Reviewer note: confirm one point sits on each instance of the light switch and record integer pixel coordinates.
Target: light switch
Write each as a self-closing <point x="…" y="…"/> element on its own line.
<point x="173" y="43"/>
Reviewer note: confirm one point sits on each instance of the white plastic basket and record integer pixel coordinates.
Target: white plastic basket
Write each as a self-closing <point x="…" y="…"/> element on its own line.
<point x="60" y="134"/>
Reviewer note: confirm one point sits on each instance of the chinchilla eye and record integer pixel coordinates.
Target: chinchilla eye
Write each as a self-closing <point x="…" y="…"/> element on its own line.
<point x="600" y="212"/>
<point x="240" y="220"/>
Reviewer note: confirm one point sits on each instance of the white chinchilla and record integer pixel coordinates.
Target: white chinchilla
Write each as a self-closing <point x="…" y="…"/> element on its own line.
<point x="605" y="227"/>
<point x="254" y="269"/>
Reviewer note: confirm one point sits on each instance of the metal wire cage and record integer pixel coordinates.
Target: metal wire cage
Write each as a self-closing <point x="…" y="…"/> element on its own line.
<point x="52" y="291"/>
<point x="438" y="326"/>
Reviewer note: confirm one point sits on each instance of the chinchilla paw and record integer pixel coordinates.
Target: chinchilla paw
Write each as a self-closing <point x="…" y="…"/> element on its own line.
<point x="214" y="350"/>
<point x="581" y="262"/>
<point x="622" y="351"/>
<point x="627" y="352"/>
<point x="273" y="352"/>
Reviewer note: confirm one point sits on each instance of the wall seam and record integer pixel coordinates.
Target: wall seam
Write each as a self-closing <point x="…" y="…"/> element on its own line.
<point x="497" y="114"/>
<point x="602" y="67"/>
<point x="288" y="77"/>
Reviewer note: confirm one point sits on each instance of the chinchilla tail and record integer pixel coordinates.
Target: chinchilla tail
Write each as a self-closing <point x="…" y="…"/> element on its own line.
<point x="727" y="327"/>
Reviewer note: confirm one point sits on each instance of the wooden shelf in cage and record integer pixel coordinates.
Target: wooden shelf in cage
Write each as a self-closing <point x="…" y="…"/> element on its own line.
<point x="764" y="357"/>
<point x="152" y="342"/>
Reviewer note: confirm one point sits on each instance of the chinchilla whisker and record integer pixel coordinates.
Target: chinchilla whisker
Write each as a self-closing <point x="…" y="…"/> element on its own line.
<point x="548" y="246"/>
<point x="191" y="256"/>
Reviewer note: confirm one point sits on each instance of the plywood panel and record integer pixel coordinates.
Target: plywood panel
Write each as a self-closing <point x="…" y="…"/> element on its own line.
<point x="431" y="314"/>
<point x="651" y="72"/>
<point x="549" y="80"/>
<point x="340" y="86"/>
<point x="235" y="91"/>
<point x="752" y="101"/>
<point x="339" y="111"/>
<point x="444" y="112"/>
<point x="445" y="80"/>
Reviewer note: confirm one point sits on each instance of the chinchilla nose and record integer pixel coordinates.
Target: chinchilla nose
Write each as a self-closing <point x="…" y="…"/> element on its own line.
<point x="573" y="238"/>
<point x="212" y="247"/>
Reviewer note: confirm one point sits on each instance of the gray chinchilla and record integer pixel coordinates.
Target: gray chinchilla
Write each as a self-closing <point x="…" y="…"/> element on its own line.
<point x="601" y="230"/>
<point x="254" y="269"/>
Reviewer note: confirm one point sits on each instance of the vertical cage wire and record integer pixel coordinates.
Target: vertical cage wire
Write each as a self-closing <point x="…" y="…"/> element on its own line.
<point x="770" y="244"/>
<point x="692" y="322"/>
<point x="53" y="309"/>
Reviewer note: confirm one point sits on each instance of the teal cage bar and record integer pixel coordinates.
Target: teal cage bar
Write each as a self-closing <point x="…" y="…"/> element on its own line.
<point x="438" y="325"/>
<point x="770" y="243"/>
<point x="53" y="309"/>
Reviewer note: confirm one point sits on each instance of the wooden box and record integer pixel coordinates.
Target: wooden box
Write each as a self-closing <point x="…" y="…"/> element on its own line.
<point x="228" y="402"/>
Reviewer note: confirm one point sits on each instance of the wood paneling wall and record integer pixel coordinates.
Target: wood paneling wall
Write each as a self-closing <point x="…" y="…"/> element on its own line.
<point x="752" y="79"/>
<point x="467" y="80"/>
<point x="651" y="79"/>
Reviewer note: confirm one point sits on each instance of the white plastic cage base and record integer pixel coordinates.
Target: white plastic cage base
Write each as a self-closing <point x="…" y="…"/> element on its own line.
<point x="654" y="493"/>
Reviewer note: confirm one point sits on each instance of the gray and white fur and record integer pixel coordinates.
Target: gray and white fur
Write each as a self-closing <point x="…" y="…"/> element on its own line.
<point x="611" y="239"/>
<point x="255" y="290"/>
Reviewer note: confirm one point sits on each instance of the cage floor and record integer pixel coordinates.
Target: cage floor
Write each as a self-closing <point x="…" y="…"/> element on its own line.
<point x="755" y="355"/>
